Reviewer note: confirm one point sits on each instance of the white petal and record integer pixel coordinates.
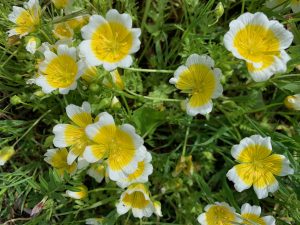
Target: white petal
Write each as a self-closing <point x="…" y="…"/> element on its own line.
<point x="71" y="158"/>
<point x="94" y="22"/>
<point x="42" y="82"/>
<point x="59" y="132"/>
<point x="13" y="16"/>
<point x="121" y="208"/>
<point x="89" y="156"/>
<point x="87" y="53"/>
<point x="239" y="184"/>
<point x="244" y="143"/>
<point x="65" y="50"/>
<point x="202" y="219"/>
<point x="177" y="74"/>
<point x="269" y="220"/>
<point x="248" y="209"/>
<point x="285" y="37"/>
<point x="203" y="110"/>
<point x="114" y="16"/>
<point x="104" y="120"/>
<point x="66" y="90"/>
<point x="286" y="169"/>
<point x="136" y="43"/>
<point x="200" y="59"/>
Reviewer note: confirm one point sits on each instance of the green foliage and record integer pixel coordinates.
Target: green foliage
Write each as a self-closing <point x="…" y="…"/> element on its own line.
<point x="171" y="31"/>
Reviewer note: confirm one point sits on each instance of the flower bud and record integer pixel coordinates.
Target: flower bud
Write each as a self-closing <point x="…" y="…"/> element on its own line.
<point x="15" y="100"/>
<point x="292" y="102"/>
<point x="80" y="194"/>
<point x="5" y="154"/>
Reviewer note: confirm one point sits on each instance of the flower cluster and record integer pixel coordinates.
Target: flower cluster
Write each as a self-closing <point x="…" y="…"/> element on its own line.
<point x="102" y="148"/>
<point x="223" y="214"/>
<point x="117" y="151"/>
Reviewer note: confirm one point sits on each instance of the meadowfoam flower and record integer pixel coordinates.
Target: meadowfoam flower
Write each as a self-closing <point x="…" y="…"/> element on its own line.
<point x="218" y="214"/>
<point x="97" y="171"/>
<point x="73" y="135"/>
<point x="90" y="73"/>
<point x="25" y="19"/>
<point x="63" y="31"/>
<point x="136" y="198"/>
<point x="59" y="71"/>
<point x="5" y="154"/>
<point x="62" y="4"/>
<point x="292" y="102"/>
<point x="257" y="166"/>
<point x="140" y="175"/>
<point x="201" y="80"/>
<point x="261" y="43"/>
<point x="57" y="158"/>
<point x="251" y="215"/>
<point x="82" y="192"/>
<point x="278" y="4"/>
<point x="110" y="41"/>
<point x="119" y="145"/>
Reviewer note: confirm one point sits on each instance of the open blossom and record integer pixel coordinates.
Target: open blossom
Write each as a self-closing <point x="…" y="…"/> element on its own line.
<point x="257" y="166"/>
<point x="292" y="102"/>
<point x="201" y="80"/>
<point x="73" y="135"/>
<point x="59" y="70"/>
<point x="218" y="214"/>
<point x="137" y="198"/>
<point x="278" y="4"/>
<point x="261" y="43"/>
<point x="110" y="41"/>
<point x="251" y="215"/>
<point x="140" y="175"/>
<point x="122" y="148"/>
<point x="25" y="19"/>
<point x="58" y="159"/>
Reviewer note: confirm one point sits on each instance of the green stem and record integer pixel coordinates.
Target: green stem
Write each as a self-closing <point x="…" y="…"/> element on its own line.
<point x="187" y="132"/>
<point x="149" y="70"/>
<point x="152" y="98"/>
<point x="46" y="36"/>
<point x="30" y="128"/>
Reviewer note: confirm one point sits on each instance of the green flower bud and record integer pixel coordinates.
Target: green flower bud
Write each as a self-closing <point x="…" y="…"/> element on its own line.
<point x="15" y="100"/>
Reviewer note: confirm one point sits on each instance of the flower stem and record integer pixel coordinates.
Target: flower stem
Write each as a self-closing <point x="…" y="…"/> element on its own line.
<point x="149" y="70"/>
<point x="152" y="98"/>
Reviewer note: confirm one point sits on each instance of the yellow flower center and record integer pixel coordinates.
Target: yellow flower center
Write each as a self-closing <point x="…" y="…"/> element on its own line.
<point x="136" y="200"/>
<point x="199" y="80"/>
<point x="251" y="219"/>
<point x="61" y="71"/>
<point x="111" y="42"/>
<point x="258" y="166"/>
<point x="257" y="44"/>
<point x="219" y="215"/>
<point x="117" y="145"/>
<point x="26" y="22"/>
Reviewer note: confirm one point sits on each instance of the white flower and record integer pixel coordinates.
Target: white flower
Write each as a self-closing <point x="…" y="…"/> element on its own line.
<point x="201" y="80"/>
<point x="59" y="71"/>
<point x="251" y="215"/>
<point x="110" y="41"/>
<point x="261" y="43"/>
<point x="140" y="175"/>
<point x="119" y="146"/>
<point x="25" y="19"/>
<point x="136" y="198"/>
